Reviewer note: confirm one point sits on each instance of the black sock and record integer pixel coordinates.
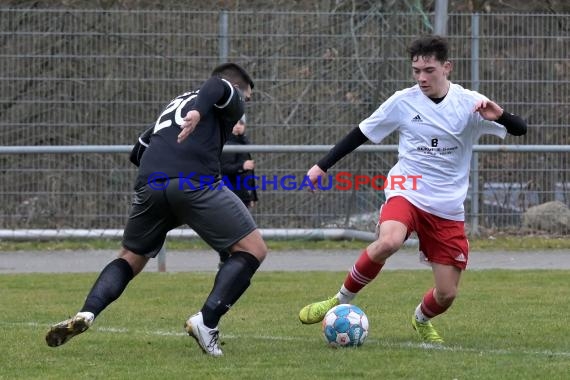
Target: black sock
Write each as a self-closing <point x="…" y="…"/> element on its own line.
<point x="232" y="280"/>
<point x="113" y="279"/>
<point x="224" y="255"/>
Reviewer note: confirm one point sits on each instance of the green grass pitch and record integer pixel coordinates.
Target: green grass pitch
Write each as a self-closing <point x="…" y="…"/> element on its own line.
<point x="503" y="325"/>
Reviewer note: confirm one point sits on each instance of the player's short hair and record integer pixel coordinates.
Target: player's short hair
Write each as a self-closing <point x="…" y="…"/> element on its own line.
<point x="428" y="46"/>
<point x="234" y="73"/>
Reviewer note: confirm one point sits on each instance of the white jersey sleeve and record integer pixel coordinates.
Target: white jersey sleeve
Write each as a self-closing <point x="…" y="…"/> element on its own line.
<point x="382" y="122"/>
<point x="485" y="127"/>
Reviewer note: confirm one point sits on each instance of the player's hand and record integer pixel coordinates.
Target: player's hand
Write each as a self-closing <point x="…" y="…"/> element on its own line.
<point x="248" y="165"/>
<point x="188" y="125"/>
<point x="488" y="110"/>
<point x="314" y="174"/>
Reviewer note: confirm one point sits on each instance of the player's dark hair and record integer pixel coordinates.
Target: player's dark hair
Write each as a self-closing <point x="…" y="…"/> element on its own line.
<point x="234" y="73"/>
<point x="428" y="46"/>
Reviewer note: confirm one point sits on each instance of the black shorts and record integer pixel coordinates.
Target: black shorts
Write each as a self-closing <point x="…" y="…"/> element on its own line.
<point x="216" y="214"/>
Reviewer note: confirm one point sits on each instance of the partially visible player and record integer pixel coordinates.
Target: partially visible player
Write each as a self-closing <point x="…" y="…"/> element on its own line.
<point x="238" y="170"/>
<point x="183" y="147"/>
<point x="437" y="122"/>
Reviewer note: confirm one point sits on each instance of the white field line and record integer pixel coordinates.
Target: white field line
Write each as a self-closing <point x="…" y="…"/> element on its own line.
<point x="395" y="345"/>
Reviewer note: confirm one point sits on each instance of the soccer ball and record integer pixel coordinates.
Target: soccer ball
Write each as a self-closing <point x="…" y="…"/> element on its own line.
<point x="345" y="325"/>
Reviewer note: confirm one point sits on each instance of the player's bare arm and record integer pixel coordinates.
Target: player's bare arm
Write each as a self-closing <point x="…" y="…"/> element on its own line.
<point x="489" y="110"/>
<point x="188" y="125"/>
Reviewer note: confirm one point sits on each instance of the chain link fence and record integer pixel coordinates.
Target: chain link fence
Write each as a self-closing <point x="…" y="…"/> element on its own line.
<point x="93" y="77"/>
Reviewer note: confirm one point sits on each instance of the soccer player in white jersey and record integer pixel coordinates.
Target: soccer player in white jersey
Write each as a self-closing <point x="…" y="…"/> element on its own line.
<point x="438" y="122"/>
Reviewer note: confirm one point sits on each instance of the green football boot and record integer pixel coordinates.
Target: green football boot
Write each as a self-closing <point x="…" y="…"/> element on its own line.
<point x="315" y="312"/>
<point x="426" y="332"/>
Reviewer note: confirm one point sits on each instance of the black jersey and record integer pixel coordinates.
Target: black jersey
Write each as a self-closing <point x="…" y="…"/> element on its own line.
<point x="220" y="106"/>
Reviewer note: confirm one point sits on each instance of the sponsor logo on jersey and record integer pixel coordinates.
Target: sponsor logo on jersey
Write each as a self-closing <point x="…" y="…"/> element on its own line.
<point x="417" y="119"/>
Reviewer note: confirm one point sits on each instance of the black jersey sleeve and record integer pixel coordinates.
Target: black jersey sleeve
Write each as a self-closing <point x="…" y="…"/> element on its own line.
<point x="514" y="124"/>
<point x="350" y="142"/>
<point x="234" y="106"/>
<point x="220" y="94"/>
<point x="140" y="147"/>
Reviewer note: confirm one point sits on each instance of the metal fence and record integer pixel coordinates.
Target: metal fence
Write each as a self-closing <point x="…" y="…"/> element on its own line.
<point x="72" y="77"/>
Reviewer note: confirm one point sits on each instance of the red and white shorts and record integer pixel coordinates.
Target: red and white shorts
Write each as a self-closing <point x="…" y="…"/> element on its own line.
<point x="442" y="241"/>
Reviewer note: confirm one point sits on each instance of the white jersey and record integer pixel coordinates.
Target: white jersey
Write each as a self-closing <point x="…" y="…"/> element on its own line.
<point x="435" y="142"/>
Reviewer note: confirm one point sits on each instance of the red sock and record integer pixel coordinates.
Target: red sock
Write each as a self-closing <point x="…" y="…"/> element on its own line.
<point x="362" y="272"/>
<point x="430" y="307"/>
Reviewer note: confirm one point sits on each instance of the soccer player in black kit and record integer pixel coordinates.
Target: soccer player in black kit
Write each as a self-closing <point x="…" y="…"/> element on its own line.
<point x="179" y="183"/>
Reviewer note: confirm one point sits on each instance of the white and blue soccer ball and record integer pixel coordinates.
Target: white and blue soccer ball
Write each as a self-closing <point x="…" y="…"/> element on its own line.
<point x="345" y="325"/>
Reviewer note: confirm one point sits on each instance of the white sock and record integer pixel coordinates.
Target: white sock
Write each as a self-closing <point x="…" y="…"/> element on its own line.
<point x="420" y="317"/>
<point x="86" y="315"/>
<point x="344" y="295"/>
